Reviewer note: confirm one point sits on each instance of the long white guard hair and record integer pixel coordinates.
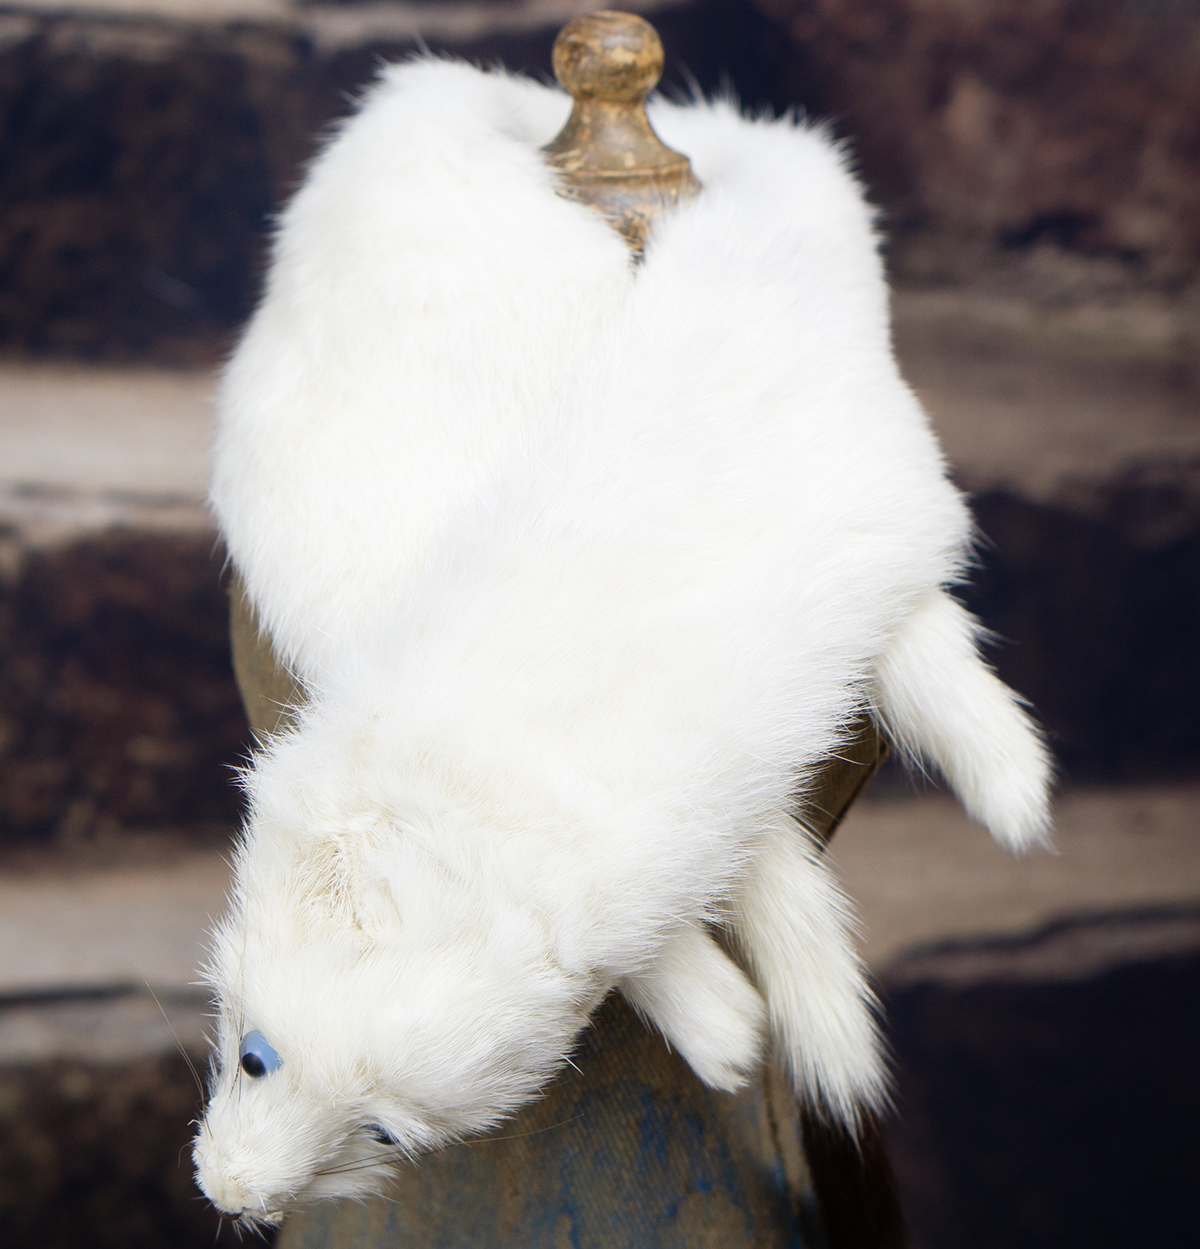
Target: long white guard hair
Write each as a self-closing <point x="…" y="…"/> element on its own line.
<point x="587" y="569"/>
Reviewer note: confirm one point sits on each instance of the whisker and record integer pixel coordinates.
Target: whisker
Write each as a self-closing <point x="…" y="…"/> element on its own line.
<point x="359" y="1163"/>
<point x="178" y="1043"/>
<point x="517" y="1136"/>
<point x="241" y="1032"/>
<point x="350" y="1168"/>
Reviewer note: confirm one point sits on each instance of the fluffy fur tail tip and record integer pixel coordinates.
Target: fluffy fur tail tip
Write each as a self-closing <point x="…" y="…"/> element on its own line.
<point x="942" y="705"/>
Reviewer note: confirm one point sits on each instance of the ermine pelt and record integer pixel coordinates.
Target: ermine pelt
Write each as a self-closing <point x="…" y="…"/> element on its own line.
<point x="587" y="568"/>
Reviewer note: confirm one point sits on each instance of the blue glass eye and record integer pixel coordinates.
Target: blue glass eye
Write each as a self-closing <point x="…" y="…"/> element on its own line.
<point x="258" y="1057"/>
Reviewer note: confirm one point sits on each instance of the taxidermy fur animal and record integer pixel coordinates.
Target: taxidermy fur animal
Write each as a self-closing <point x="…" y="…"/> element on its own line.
<point x="586" y="568"/>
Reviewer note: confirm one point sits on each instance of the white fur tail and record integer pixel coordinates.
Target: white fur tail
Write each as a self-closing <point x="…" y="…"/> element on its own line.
<point x="795" y="926"/>
<point x="943" y="705"/>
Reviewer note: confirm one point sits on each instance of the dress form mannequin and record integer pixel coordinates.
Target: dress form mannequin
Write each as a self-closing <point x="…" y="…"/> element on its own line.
<point x="627" y="1148"/>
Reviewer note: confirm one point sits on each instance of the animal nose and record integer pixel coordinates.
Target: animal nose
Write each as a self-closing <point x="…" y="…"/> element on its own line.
<point x="222" y="1190"/>
<point x="228" y="1198"/>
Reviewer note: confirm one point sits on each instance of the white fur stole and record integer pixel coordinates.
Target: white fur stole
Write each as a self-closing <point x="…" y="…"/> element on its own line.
<point x="587" y="568"/>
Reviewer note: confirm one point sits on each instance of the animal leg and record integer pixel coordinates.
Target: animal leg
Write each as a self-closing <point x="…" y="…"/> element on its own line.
<point x="704" y="1005"/>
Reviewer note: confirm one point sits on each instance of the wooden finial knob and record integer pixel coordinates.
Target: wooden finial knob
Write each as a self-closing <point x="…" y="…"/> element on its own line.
<point x="607" y="154"/>
<point x="608" y="56"/>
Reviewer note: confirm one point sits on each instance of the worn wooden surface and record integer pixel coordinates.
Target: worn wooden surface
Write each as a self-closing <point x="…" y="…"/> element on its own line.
<point x="607" y="153"/>
<point x="627" y="1149"/>
<point x="268" y="690"/>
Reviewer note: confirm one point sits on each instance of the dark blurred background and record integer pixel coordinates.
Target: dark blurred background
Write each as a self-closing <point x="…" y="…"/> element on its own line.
<point x="1037" y="167"/>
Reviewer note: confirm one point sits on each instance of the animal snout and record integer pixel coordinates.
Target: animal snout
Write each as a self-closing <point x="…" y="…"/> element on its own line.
<point x="224" y="1191"/>
<point x="228" y="1187"/>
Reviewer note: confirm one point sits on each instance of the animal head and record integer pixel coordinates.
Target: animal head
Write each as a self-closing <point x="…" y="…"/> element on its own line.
<point x="375" y="999"/>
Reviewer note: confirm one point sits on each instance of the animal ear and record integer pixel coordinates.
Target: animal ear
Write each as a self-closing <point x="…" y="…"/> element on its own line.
<point x="375" y="907"/>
